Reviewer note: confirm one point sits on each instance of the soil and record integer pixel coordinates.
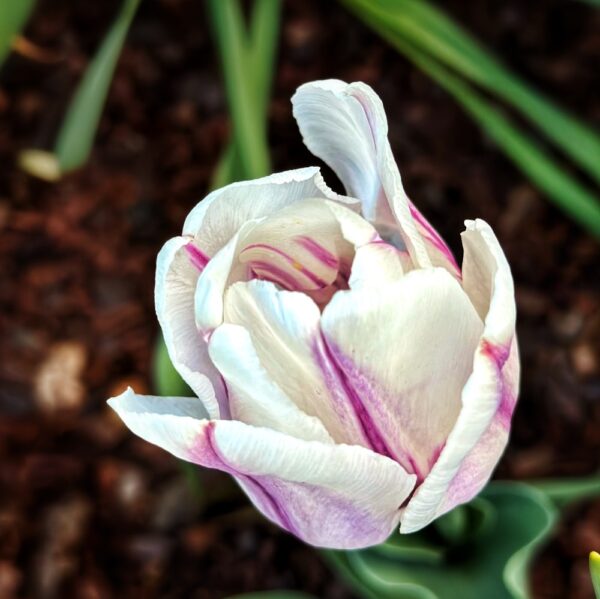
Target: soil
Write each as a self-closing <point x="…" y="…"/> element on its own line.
<point x="86" y="509"/>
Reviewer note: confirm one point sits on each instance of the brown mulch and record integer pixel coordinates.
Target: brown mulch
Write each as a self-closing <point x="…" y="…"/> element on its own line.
<point x="86" y="509"/>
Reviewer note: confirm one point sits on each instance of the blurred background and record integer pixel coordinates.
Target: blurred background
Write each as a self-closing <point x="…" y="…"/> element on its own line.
<point x="87" y="509"/>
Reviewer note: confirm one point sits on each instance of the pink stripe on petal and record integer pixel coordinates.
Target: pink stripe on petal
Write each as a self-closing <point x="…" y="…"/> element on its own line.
<point x="496" y="352"/>
<point x="350" y="389"/>
<point x="268" y="271"/>
<point x="433" y="237"/>
<point x="499" y="354"/>
<point x="197" y="257"/>
<point x="318" y="251"/>
<point x="212" y="458"/>
<point x="311" y="276"/>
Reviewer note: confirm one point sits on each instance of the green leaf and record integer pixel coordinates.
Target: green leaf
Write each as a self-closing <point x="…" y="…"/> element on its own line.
<point x="433" y="31"/>
<point x="167" y="381"/>
<point x="263" y="35"/>
<point x="490" y="562"/>
<point x="564" y="491"/>
<point x="454" y="526"/>
<point x="248" y="126"/>
<point x="76" y="136"/>
<point x="527" y="155"/>
<point x="595" y="572"/>
<point x="13" y="16"/>
<point x="261" y="43"/>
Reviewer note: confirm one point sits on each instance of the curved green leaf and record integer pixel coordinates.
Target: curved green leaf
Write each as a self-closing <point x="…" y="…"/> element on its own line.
<point x="491" y="562"/>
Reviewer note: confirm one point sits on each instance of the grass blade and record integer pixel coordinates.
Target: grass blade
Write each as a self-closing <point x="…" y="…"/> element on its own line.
<point x="264" y="31"/>
<point x="77" y="134"/>
<point x="261" y="46"/>
<point x="565" y="191"/>
<point x="430" y="29"/>
<point x="250" y="136"/>
<point x="13" y="16"/>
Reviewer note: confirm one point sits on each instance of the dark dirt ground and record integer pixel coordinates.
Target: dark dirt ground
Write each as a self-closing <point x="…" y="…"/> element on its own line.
<point x="89" y="511"/>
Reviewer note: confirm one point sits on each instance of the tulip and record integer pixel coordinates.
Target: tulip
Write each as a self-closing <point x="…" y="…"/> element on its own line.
<point x="349" y="375"/>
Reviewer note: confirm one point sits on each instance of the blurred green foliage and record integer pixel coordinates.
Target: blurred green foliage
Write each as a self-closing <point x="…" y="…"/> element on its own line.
<point x="248" y="56"/>
<point x="78" y="129"/>
<point x="13" y="16"/>
<point x="482" y="549"/>
<point x="77" y="133"/>
<point x="273" y="595"/>
<point x="457" y="61"/>
<point x="421" y="31"/>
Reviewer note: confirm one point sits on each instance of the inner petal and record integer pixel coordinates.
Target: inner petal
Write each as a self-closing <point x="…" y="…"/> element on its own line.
<point x="300" y="248"/>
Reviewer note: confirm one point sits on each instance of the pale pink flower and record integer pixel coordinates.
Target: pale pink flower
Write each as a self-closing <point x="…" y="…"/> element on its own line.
<point x="349" y="375"/>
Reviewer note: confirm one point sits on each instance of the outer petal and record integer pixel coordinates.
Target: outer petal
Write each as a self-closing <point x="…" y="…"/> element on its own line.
<point x="437" y="249"/>
<point x="176" y="277"/>
<point x="405" y="352"/>
<point x="481" y="432"/>
<point x="345" y="125"/>
<point x="328" y="495"/>
<point x="216" y="219"/>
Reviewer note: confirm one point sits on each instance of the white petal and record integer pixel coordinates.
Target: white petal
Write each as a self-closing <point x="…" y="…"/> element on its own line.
<point x="328" y="495"/>
<point x="406" y="351"/>
<point x="220" y="272"/>
<point x="176" y="278"/>
<point x="253" y="397"/>
<point x="345" y="125"/>
<point x="284" y="327"/>
<point x="172" y="423"/>
<point x="218" y="217"/>
<point x="376" y="265"/>
<point x="302" y="242"/>
<point x="481" y="432"/>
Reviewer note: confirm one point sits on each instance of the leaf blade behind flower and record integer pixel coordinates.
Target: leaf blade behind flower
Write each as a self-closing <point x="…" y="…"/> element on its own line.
<point x="575" y="199"/>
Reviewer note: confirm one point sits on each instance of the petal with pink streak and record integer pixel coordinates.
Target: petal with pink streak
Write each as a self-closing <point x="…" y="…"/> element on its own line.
<point x="335" y="496"/>
<point x="306" y="246"/>
<point x="488" y="399"/>
<point x="177" y="272"/>
<point x="439" y="252"/>
<point x="345" y="125"/>
<point x="405" y="352"/>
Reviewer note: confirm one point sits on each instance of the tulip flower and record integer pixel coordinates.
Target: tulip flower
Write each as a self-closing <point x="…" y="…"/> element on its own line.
<point x="349" y="375"/>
